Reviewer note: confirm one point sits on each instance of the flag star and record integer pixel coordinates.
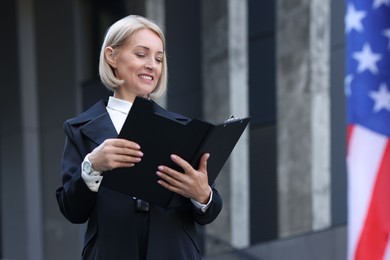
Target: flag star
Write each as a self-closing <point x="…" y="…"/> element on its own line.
<point x="381" y="98"/>
<point x="367" y="59"/>
<point x="353" y="19"/>
<point x="347" y="84"/>
<point x="378" y="3"/>
<point x="386" y="33"/>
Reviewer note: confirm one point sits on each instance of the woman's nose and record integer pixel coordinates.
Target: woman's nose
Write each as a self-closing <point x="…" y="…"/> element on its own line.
<point x="150" y="65"/>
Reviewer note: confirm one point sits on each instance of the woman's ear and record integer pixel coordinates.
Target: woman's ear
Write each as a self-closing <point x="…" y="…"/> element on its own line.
<point x="109" y="54"/>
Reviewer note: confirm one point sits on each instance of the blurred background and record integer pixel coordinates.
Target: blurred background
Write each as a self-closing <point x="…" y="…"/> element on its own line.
<point x="280" y="62"/>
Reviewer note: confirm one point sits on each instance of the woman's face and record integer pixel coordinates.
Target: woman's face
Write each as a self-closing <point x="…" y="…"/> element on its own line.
<point x="139" y="64"/>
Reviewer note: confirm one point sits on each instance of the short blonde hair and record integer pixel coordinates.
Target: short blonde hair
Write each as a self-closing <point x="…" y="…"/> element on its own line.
<point x="116" y="36"/>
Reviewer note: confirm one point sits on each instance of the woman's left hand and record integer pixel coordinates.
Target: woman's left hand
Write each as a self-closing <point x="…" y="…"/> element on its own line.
<point x="190" y="184"/>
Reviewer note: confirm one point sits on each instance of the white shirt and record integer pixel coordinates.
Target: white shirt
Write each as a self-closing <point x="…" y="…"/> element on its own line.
<point x="118" y="110"/>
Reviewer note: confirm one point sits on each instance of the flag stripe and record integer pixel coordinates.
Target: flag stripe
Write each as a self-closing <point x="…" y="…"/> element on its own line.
<point x="349" y="134"/>
<point x="374" y="236"/>
<point x="363" y="165"/>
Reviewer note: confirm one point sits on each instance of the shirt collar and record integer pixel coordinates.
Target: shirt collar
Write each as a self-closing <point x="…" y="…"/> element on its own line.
<point x="119" y="105"/>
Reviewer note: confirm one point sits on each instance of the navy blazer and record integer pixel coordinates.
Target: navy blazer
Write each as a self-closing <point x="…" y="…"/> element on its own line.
<point x="111" y="231"/>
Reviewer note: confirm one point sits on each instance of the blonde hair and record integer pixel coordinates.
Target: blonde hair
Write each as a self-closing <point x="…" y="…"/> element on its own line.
<point x="116" y="37"/>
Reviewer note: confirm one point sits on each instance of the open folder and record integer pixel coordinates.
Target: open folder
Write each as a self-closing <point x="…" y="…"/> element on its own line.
<point x="161" y="133"/>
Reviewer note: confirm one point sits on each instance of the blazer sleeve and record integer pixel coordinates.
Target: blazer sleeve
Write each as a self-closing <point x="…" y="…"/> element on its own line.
<point x="204" y="218"/>
<point x="74" y="198"/>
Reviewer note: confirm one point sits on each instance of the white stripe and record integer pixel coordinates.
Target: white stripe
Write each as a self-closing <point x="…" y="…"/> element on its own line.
<point x="387" y="252"/>
<point x="363" y="159"/>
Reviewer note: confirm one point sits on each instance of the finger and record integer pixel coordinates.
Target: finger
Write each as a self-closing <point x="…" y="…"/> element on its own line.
<point x="170" y="187"/>
<point x="123" y="165"/>
<point x="120" y="142"/>
<point x="119" y="146"/>
<point x="169" y="173"/>
<point x="115" y="160"/>
<point x="203" y="162"/>
<point x="127" y="159"/>
<point x="168" y="178"/>
<point x="128" y="152"/>
<point x="181" y="162"/>
<point x="122" y="147"/>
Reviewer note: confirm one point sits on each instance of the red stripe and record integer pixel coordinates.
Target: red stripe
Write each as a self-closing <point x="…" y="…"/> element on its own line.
<point x="375" y="233"/>
<point x="349" y="134"/>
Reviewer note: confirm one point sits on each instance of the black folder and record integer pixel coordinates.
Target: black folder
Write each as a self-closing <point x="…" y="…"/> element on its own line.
<point x="161" y="133"/>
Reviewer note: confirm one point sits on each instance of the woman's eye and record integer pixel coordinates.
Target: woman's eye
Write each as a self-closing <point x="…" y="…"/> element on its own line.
<point x="159" y="60"/>
<point x="140" y="54"/>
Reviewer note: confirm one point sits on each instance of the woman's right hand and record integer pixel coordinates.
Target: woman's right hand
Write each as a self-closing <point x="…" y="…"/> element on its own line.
<point x="115" y="153"/>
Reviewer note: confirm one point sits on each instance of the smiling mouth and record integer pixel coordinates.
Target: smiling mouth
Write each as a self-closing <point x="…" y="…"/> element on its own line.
<point x="148" y="77"/>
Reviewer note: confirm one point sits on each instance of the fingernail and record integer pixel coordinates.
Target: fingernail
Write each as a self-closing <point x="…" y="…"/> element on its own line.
<point x="173" y="156"/>
<point x="160" y="168"/>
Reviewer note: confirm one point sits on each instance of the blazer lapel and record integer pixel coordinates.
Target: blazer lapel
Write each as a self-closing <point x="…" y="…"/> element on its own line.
<point x="100" y="129"/>
<point x="97" y="124"/>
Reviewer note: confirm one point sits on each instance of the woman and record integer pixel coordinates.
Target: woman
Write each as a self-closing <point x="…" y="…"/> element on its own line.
<point x="132" y="63"/>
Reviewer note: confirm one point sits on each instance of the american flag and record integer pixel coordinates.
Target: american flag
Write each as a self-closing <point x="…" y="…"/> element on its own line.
<point x="367" y="89"/>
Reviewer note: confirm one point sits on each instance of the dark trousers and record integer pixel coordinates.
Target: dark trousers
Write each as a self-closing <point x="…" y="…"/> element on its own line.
<point x="142" y="218"/>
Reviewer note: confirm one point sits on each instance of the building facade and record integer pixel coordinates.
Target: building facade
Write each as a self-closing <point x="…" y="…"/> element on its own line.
<point x="280" y="62"/>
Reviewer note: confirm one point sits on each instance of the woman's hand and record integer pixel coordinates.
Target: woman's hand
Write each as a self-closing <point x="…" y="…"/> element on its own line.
<point x="190" y="184"/>
<point x="115" y="153"/>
